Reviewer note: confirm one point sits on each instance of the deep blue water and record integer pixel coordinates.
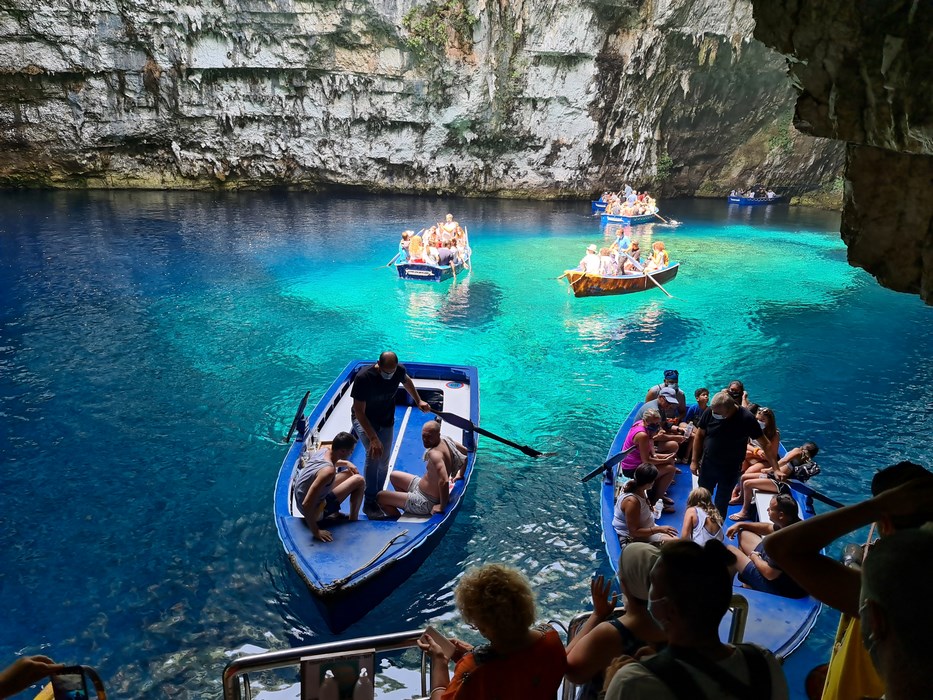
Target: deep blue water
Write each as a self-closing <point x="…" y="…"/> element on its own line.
<point x="154" y="346"/>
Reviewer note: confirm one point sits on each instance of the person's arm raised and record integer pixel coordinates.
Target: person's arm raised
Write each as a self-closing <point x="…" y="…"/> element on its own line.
<point x="796" y="549"/>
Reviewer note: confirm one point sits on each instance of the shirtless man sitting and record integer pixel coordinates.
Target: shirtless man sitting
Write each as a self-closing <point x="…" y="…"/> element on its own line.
<point x="426" y="495"/>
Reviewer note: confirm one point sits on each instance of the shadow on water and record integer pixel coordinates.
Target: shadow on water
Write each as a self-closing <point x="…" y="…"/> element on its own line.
<point x="470" y="304"/>
<point x="637" y="340"/>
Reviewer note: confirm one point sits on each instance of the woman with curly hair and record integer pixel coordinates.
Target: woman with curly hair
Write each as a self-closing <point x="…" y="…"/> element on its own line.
<point x="520" y="660"/>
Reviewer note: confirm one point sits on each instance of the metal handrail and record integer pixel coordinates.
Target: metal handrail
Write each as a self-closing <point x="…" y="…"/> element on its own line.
<point x="240" y="668"/>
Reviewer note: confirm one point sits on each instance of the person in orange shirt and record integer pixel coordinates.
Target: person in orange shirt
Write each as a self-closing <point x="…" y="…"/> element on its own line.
<point x="520" y="661"/>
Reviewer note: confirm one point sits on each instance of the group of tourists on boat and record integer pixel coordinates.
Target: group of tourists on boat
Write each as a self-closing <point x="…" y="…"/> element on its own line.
<point x="444" y="243"/>
<point x="623" y="257"/>
<point x="628" y="202"/>
<point x="755" y="192"/>
<point x="732" y="446"/>
<point x="678" y="585"/>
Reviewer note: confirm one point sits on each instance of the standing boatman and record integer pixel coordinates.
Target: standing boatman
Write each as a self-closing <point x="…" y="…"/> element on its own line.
<point x="373" y="415"/>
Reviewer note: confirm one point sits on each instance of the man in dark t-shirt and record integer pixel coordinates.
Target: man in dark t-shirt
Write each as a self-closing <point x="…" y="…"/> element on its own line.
<point x="444" y="255"/>
<point x="373" y="415"/>
<point x="721" y="436"/>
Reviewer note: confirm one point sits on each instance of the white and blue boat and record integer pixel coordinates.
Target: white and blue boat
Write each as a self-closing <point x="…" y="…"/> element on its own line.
<point x="753" y="201"/>
<point x="598" y="205"/>
<point x="369" y="559"/>
<point x="776" y="623"/>
<point x="627" y="220"/>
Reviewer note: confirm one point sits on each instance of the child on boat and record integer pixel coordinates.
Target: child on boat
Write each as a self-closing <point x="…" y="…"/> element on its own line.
<point x="702" y="521"/>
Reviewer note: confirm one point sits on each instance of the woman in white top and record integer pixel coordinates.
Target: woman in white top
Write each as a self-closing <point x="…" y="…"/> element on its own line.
<point x="702" y="521"/>
<point x="633" y="519"/>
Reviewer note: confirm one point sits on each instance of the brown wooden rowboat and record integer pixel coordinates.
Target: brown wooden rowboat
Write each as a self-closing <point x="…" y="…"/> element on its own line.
<point x="586" y="285"/>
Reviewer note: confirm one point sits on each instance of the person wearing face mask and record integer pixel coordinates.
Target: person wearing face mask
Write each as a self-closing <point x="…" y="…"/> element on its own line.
<point x="671" y="379"/>
<point x="691" y="589"/>
<point x="719" y="442"/>
<point x="633" y="519"/>
<point x="373" y="414"/>
<point x="902" y="500"/>
<point x="736" y="391"/>
<point x="604" y="635"/>
<point x="642" y="435"/>
<point x="896" y="615"/>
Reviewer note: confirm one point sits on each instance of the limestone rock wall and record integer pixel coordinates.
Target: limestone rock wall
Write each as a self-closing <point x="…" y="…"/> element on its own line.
<point x="505" y="97"/>
<point x="864" y="72"/>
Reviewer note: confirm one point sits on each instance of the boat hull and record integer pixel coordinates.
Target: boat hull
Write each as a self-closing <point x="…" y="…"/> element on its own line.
<point x="424" y="272"/>
<point x="597" y="205"/>
<point x="586" y="285"/>
<point x="776" y="623"/>
<point x="628" y="220"/>
<point x="369" y="559"/>
<point x="754" y="201"/>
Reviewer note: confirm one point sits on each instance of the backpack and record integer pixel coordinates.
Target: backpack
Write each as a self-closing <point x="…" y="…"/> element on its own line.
<point x="807" y="470"/>
<point x="682" y="685"/>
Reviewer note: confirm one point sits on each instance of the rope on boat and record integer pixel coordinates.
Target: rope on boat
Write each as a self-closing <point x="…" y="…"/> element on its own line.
<point x="341" y="581"/>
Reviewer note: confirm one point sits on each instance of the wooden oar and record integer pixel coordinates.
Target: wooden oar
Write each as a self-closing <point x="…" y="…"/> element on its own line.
<point x="661" y="218"/>
<point x="563" y="275"/>
<point x="641" y="268"/>
<point x="466" y="247"/>
<point x="390" y="262"/>
<point x="298" y="414"/>
<point x="810" y="491"/>
<point x="609" y="463"/>
<point x="467" y="424"/>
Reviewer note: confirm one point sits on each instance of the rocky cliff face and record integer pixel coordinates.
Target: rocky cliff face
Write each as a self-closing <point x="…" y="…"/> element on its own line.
<point x="505" y="97"/>
<point x="864" y="73"/>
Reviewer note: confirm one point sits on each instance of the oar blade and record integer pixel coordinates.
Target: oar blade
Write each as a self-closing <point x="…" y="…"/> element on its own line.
<point x="298" y="414"/>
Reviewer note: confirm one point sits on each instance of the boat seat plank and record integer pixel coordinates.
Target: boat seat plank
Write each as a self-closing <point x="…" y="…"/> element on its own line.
<point x="762" y="500"/>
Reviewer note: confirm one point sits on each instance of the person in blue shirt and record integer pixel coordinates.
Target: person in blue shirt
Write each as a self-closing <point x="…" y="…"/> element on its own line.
<point x="695" y="410"/>
<point x="403" y="247"/>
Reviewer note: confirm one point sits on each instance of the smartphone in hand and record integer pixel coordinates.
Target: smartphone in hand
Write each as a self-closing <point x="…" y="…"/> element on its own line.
<point x="447" y="646"/>
<point x="70" y="684"/>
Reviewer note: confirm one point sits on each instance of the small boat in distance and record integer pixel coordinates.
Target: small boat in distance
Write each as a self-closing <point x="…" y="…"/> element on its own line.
<point x="754" y="197"/>
<point x="588" y="285"/>
<point x="776" y="623"/>
<point x="441" y="255"/>
<point x="368" y="559"/>
<point x="628" y="220"/>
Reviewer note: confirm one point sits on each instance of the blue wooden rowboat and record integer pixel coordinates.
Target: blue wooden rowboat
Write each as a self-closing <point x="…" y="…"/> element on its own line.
<point x="598" y="205"/>
<point x="776" y="623"/>
<point x="426" y="272"/>
<point x="627" y="220"/>
<point x="369" y="559"/>
<point x="752" y="201"/>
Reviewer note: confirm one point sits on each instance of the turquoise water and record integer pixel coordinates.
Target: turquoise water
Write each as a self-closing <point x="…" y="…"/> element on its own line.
<point x="154" y="346"/>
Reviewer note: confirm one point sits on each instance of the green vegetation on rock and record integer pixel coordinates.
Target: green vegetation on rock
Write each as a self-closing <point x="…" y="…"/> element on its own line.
<point x="428" y="26"/>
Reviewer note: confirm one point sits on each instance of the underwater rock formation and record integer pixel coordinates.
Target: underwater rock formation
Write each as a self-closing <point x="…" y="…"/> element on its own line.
<point x="490" y="97"/>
